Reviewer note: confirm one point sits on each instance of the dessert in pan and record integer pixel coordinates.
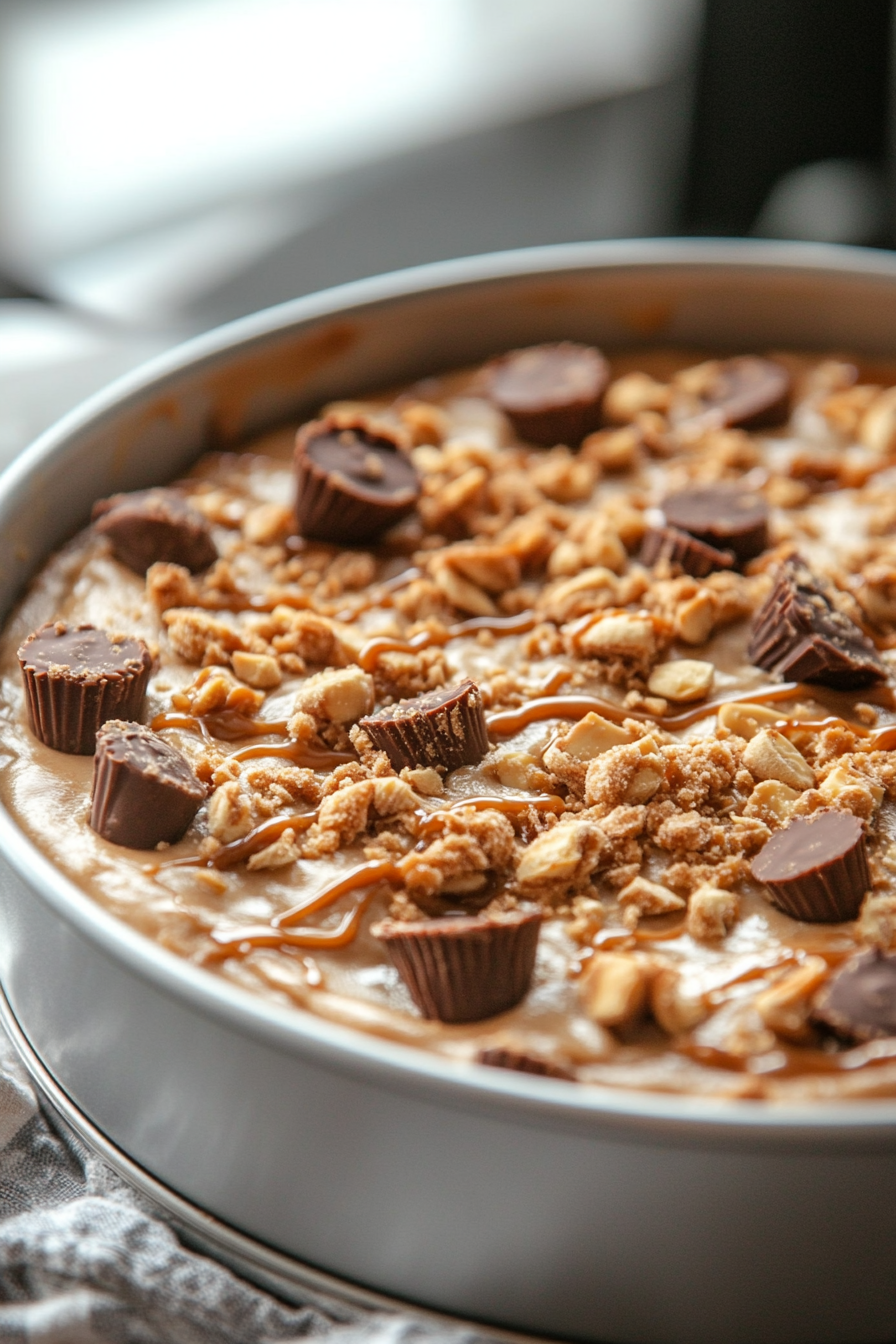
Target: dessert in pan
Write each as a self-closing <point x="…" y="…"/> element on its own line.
<point x="539" y="715"/>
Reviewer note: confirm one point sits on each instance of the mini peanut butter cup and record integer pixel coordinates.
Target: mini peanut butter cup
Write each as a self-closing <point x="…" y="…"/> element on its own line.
<point x="440" y="728"/>
<point x="746" y="391"/>
<point x="800" y="634"/>
<point x="519" y="1061"/>
<point x="679" y="548"/>
<point x="144" y="790"/>
<point x="353" y="482"/>
<point x="78" y="677"/>
<point x="816" y="868"/>
<point x="465" y="968"/>
<point x="155" y="525"/>
<point x="725" y="517"/>
<point x="550" y="393"/>
<point x="859" y="1000"/>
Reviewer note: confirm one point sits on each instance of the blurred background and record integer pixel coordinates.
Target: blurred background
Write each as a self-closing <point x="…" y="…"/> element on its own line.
<point x="166" y="165"/>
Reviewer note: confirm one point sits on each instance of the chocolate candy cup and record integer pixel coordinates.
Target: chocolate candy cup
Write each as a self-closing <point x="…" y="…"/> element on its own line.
<point x="816" y="868"/>
<point x="441" y="728"/>
<point x="679" y="548"/>
<point x="144" y="791"/>
<point x="497" y="1057"/>
<point x="550" y="393"/>
<point x="725" y="517"/>
<point x="859" y="1001"/>
<point x="747" y="391"/>
<point x="75" y="679"/>
<point x="466" y="968"/>
<point x="155" y="525"/>
<point x="352" y="482"/>
<point x="801" y="635"/>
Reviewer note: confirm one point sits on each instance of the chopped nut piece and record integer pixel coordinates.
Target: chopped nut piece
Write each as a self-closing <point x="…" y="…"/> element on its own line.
<point x="566" y="851"/>
<point x="333" y="696"/>
<point x="712" y="913"/>
<point x="641" y="898"/>
<point x="257" y="669"/>
<point x="847" y="789"/>
<point x="614" y="989"/>
<point x="229" y="813"/>
<point x="683" y="680"/>
<point x="626" y="774"/>
<point x="772" y="801"/>
<point x="877" y="429"/>
<point x="770" y="755"/>
<point x="628" y="396"/>
<point x="267" y="523"/>
<point x="614" y="450"/>
<point x="461" y="593"/>
<point x="695" y="619"/>
<point x="745" y="720"/>
<point x="624" y="636"/>
<point x="283" y="851"/>
<point x="425" y="780"/>
<point x="674" y="1008"/>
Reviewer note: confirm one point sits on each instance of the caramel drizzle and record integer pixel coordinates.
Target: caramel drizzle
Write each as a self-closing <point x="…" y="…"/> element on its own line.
<point x="296" y="752"/>
<point x="245" y="939"/>
<point x="509" y="721"/>
<point x="514" y="807"/>
<point x="794" y="1061"/>
<point x="372" y="651"/>
<point x="250" y="844"/>
<point x="273" y="935"/>
<point x="228" y="725"/>
<point x="872" y="739"/>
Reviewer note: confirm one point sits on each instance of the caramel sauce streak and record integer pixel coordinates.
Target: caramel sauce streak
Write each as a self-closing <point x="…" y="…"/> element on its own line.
<point x="256" y="840"/>
<point x="296" y="752"/>
<point x="371" y="652"/>
<point x="545" y="802"/>
<point x="267" y="936"/>
<point x="187" y="722"/>
<point x="873" y="739"/>
<point x="365" y="875"/>
<point x="509" y="721"/>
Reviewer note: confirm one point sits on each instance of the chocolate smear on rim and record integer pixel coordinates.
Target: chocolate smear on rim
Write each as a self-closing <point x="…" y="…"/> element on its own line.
<point x="499" y="1057"/>
<point x="464" y="968"/>
<point x="816" y="868"/>
<point x="150" y="526"/>
<point x="78" y="677"/>
<point x="800" y="634"/>
<point x="550" y="393"/>
<point x="144" y="790"/>
<point x="353" y="481"/>
<point x="746" y="391"/>
<point x="859" y="1001"/>
<point x="440" y="728"/>
<point x="725" y="517"/>
<point x="679" y="548"/>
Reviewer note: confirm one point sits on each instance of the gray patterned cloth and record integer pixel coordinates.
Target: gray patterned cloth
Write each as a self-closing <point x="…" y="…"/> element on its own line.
<point x="84" y="1259"/>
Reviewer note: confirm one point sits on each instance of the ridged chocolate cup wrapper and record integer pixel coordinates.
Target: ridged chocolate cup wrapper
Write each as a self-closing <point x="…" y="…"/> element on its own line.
<point x="150" y="526"/>
<point x="144" y="791"/>
<point x="550" y="393"/>
<point x="680" y="548"/>
<point x="498" y="1057"/>
<point x="76" y="678"/>
<point x="747" y="390"/>
<point x="816" y="868"/>
<point x="859" y="1000"/>
<point x="800" y="634"/>
<point x="465" y="968"/>
<point x="353" y="480"/>
<point x="440" y="728"/>
<point x="725" y="517"/>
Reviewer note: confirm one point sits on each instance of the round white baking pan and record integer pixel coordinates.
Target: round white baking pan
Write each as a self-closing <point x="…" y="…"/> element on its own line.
<point x="567" y="1211"/>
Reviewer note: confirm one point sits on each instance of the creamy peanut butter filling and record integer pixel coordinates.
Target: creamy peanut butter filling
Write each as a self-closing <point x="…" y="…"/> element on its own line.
<point x="638" y="762"/>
